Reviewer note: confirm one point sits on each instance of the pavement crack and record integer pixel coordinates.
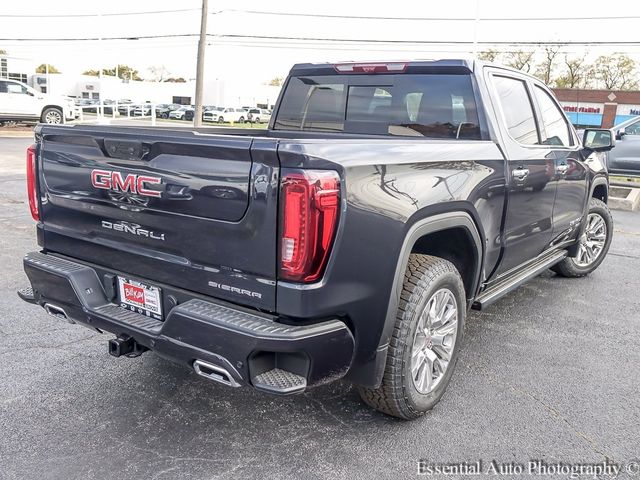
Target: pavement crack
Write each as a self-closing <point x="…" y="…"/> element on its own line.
<point x="328" y="412"/>
<point x="624" y="232"/>
<point x="554" y="413"/>
<point x="635" y="257"/>
<point x="557" y="414"/>
<point x="47" y="347"/>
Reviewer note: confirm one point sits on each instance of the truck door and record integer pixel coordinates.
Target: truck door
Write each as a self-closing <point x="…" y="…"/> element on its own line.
<point x="570" y="172"/>
<point x="22" y="101"/>
<point x="531" y="188"/>
<point x="7" y="100"/>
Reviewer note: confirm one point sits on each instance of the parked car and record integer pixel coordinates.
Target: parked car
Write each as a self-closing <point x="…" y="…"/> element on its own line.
<point x="349" y="241"/>
<point x="212" y="114"/>
<point x="625" y="158"/>
<point x="126" y="107"/>
<point x="226" y="114"/>
<point x="164" y="109"/>
<point x="183" y="113"/>
<point x="258" y="115"/>
<point x="143" y="110"/>
<point x="20" y="102"/>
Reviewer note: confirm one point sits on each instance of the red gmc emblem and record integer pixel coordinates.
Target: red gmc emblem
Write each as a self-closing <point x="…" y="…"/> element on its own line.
<point x="109" y="180"/>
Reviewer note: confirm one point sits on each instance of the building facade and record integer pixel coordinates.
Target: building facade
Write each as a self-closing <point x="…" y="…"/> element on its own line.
<point x="598" y="108"/>
<point x="16" y="68"/>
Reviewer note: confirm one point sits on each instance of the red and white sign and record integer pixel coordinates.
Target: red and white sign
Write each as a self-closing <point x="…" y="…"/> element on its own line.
<point x="134" y="294"/>
<point x="140" y="298"/>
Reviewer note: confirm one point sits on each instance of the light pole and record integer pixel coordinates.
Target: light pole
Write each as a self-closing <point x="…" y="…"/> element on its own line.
<point x="202" y="45"/>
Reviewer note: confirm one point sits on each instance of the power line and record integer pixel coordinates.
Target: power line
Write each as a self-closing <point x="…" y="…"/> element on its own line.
<point x="86" y="15"/>
<point x="92" y="39"/>
<point x="374" y="41"/>
<point x="423" y="19"/>
<point x="321" y="15"/>
<point x="429" y="42"/>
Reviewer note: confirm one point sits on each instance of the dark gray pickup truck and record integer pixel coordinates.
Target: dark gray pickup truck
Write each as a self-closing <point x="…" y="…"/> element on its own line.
<point x="346" y="241"/>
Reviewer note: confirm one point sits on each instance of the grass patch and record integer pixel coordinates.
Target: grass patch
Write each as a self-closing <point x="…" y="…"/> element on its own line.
<point x="624" y="179"/>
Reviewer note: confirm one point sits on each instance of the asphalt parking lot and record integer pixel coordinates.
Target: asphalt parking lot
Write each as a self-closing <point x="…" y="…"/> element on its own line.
<point x="551" y="372"/>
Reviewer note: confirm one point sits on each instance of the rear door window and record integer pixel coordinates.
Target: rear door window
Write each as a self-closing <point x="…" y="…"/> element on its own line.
<point x="517" y="110"/>
<point x="430" y="105"/>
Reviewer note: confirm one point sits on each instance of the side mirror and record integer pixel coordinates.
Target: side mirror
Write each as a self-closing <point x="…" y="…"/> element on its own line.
<point x="620" y="133"/>
<point x="598" y="139"/>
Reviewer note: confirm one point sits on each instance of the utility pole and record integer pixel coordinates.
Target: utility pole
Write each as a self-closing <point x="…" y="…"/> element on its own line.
<point x="202" y="45"/>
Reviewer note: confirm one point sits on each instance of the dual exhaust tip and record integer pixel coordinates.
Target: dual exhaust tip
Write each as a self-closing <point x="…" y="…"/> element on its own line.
<point x="215" y="373"/>
<point x="57" y="312"/>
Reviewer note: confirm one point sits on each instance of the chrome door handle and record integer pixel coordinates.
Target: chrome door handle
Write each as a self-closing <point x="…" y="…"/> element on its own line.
<point x="520" y="173"/>
<point x="562" y="168"/>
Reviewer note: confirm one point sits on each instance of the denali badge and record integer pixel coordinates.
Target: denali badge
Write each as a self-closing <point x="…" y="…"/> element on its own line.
<point x="132" y="229"/>
<point x="241" y="291"/>
<point x="109" y="180"/>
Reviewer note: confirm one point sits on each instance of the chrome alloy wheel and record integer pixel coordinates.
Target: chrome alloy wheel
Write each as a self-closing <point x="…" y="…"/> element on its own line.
<point x="53" y="117"/>
<point x="434" y="341"/>
<point x="592" y="241"/>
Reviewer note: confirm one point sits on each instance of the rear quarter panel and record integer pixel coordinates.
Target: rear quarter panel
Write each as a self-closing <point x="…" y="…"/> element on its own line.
<point x="387" y="186"/>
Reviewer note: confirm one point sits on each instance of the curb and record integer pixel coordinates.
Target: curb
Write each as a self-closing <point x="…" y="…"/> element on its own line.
<point x="624" y="198"/>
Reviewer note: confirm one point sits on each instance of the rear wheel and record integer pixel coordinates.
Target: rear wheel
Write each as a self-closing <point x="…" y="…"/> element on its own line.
<point x="241" y="120"/>
<point x="52" y="116"/>
<point x="426" y="340"/>
<point x="594" y="243"/>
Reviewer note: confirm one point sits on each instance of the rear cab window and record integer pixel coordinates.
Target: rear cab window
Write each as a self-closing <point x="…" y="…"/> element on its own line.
<point x="433" y="105"/>
<point x="517" y="110"/>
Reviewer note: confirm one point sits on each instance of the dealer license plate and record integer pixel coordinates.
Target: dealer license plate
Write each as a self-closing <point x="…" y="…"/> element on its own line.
<point x="140" y="297"/>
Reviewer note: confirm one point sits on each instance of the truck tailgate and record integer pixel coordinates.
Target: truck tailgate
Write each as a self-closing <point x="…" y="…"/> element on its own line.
<point x="176" y="207"/>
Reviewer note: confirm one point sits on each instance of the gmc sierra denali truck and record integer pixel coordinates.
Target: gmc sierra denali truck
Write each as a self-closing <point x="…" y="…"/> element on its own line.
<point x="346" y="241"/>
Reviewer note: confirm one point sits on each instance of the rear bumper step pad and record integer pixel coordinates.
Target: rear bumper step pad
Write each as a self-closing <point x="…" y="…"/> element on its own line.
<point x="253" y="347"/>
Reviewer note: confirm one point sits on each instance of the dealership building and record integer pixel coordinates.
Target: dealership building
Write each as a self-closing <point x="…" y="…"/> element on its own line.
<point x="598" y="108"/>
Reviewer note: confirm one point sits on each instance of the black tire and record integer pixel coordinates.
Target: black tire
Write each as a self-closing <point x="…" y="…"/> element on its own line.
<point x="220" y="119"/>
<point x="164" y="115"/>
<point x="257" y="120"/>
<point x="397" y="395"/>
<point x="52" y="115"/>
<point x="188" y="117"/>
<point x="241" y="120"/>
<point x="569" y="267"/>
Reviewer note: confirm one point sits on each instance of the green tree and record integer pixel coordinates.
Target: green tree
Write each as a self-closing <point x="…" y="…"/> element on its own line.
<point x="576" y="73"/>
<point x="43" y="68"/>
<point x="520" y="60"/>
<point x="616" y="72"/>
<point x="489" y="55"/>
<point x="124" y="71"/>
<point x="544" y="71"/>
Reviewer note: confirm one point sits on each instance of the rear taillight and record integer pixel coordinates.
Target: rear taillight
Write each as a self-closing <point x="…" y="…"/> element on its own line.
<point x="32" y="191"/>
<point x="310" y="204"/>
